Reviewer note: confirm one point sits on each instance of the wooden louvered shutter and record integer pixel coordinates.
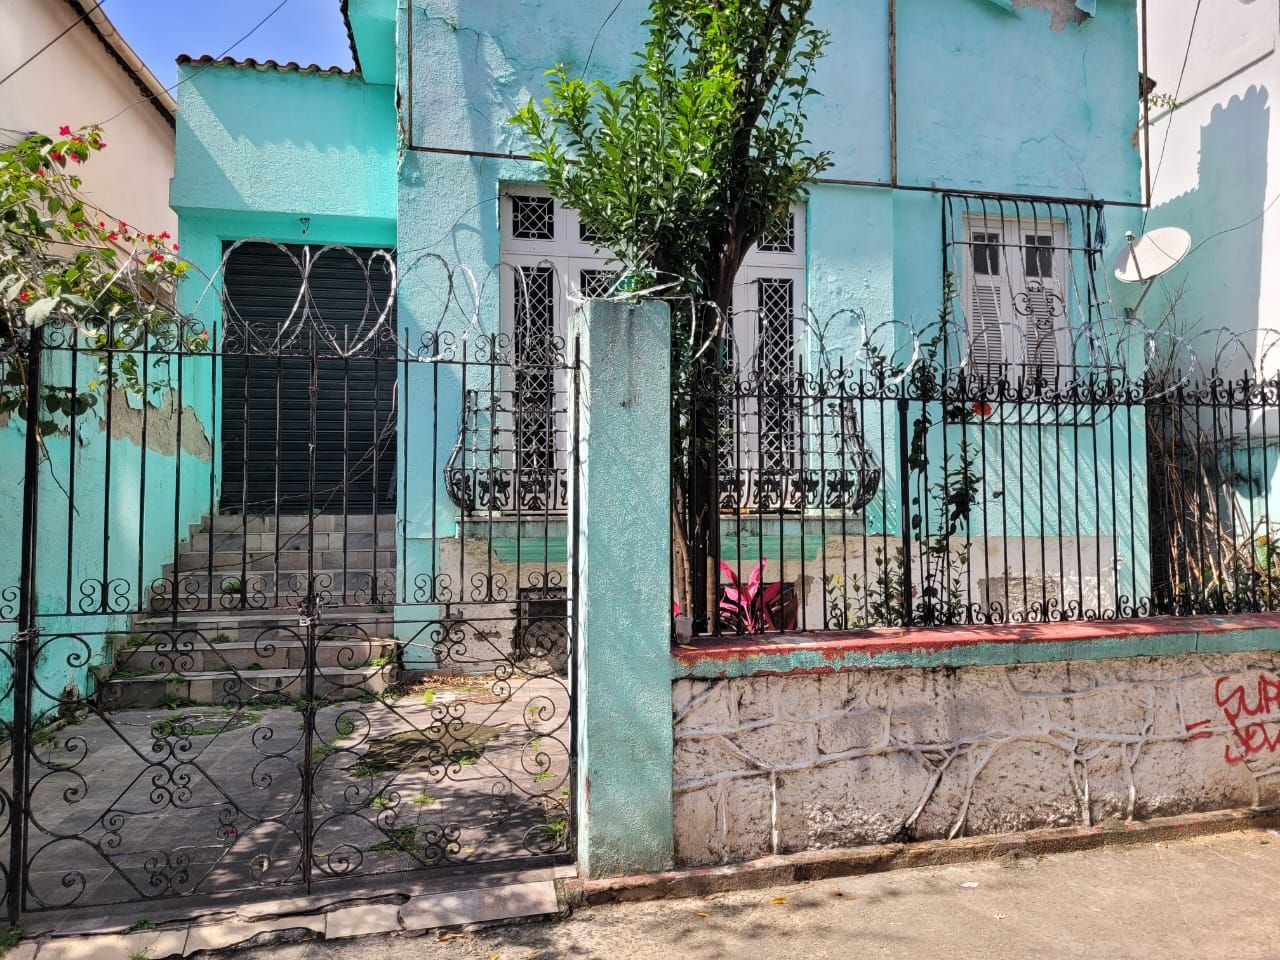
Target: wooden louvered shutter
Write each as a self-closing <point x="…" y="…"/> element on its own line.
<point x="986" y="307"/>
<point x="1044" y="306"/>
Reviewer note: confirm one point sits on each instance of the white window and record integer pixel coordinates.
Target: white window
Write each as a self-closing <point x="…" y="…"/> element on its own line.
<point x="763" y="436"/>
<point x="1013" y="296"/>
<point x="550" y="262"/>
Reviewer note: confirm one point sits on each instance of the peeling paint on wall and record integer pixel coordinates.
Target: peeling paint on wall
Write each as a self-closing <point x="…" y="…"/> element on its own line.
<point x="782" y="764"/>
<point x="1063" y="12"/>
<point x="160" y="426"/>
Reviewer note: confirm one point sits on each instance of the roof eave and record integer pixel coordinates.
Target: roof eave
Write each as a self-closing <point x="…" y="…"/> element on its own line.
<point x="351" y="34"/>
<point x="153" y="90"/>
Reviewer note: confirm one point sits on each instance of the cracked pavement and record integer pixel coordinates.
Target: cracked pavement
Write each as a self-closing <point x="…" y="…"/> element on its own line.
<point x="1213" y="896"/>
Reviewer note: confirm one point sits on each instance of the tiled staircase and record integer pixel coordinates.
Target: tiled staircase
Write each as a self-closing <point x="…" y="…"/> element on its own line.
<point x="237" y="634"/>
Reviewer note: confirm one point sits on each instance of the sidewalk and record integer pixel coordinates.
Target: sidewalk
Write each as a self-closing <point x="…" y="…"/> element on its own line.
<point x="1208" y="897"/>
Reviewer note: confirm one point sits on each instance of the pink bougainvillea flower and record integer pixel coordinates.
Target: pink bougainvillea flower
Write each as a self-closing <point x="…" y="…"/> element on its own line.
<point x="54" y="155"/>
<point x="24" y="296"/>
<point x="64" y="131"/>
<point x="176" y="248"/>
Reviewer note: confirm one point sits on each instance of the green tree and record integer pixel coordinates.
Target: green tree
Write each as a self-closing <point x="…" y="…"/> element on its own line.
<point x="63" y="265"/>
<point x="685" y="164"/>
<point x="679" y="169"/>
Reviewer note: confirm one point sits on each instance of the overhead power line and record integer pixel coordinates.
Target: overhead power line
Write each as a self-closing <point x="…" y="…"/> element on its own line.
<point x="254" y="29"/>
<point x="1164" y="143"/>
<point x="78" y="20"/>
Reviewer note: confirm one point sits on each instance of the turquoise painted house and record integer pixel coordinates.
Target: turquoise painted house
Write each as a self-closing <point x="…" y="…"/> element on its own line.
<point x="985" y="165"/>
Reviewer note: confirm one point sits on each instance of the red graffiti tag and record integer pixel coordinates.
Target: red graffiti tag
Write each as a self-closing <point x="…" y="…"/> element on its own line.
<point x="1241" y="702"/>
<point x="1197" y="733"/>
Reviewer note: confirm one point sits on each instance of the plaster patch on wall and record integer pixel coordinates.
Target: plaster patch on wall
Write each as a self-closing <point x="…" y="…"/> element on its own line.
<point x="782" y="764"/>
<point x="1063" y="12"/>
<point x="161" y="425"/>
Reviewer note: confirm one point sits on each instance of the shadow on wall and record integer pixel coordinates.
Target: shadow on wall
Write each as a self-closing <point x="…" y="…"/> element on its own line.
<point x="1219" y="284"/>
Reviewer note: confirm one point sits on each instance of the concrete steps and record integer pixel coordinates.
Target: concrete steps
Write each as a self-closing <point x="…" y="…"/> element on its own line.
<point x="288" y="584"/>
<point x="228" y="687"/>
<point x="236" y="634"/>
<point x="210" y="623"/>
<point x="291" y="559"/>
<point x="273" y="650"/>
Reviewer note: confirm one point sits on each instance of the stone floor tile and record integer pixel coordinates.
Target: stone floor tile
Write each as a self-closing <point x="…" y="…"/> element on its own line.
<point x="103" y="947"/>
<point x="480" y="905"/>
<point x="219" y="936"/>
<point x="156" y="944"/>
<point x="361" y="920"/>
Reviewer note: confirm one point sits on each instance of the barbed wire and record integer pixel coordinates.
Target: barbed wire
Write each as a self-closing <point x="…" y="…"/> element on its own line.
<point x="456" y="308"/>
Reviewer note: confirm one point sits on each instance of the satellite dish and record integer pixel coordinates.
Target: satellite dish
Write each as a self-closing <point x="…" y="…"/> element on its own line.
<point x="1147" y="257"/>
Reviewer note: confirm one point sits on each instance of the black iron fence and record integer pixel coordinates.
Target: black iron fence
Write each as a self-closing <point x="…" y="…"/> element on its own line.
<point x="899" y="483"/>
<point x="284" y="594"/>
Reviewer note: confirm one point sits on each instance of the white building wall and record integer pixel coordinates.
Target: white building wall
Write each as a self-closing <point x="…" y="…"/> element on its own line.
<point x="1213" y="172"/>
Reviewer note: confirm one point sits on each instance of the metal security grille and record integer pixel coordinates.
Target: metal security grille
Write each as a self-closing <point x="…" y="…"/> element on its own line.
<point x="776" y="364"/>
<point x="535" y="380"/>
<point x="1028" y="278"/>
<point x="781" y="237"/>
<point x="216" y="694"/>
<point x="533" y="218"/>
<point x="284" y="304"/>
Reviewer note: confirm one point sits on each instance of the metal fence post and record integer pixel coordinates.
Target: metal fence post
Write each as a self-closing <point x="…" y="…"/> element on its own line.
<point x="904" y="486"/>
<point x="25" y="636"/>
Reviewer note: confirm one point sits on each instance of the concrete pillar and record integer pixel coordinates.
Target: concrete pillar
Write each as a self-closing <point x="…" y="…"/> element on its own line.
<point x="620" y="542"/>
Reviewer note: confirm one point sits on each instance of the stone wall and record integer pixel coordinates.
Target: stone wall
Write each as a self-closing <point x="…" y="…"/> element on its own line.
<point x="777" y="764"/>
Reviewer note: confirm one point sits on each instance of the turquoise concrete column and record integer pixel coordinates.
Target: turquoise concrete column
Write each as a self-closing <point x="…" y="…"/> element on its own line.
<point x="620" y="546"/>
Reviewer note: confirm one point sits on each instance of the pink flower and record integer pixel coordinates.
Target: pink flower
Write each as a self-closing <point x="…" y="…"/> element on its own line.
<point x="64" y="131"/>
<point x="176" y="248"/>
<point x="55" y="155"/>
<point x="24" y="296"/>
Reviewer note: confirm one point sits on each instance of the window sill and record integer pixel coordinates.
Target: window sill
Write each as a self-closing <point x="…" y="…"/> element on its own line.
<point x="962" y="646"/>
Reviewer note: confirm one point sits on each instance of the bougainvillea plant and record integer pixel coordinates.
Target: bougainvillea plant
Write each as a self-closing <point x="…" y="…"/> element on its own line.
<point x="65" y="265"/>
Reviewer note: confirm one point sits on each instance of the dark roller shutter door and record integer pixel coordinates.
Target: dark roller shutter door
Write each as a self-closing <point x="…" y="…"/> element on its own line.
<point x="266" y="408"/>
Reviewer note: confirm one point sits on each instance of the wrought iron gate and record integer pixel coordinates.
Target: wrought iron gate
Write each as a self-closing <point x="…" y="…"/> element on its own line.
<point x="364" y="680"/>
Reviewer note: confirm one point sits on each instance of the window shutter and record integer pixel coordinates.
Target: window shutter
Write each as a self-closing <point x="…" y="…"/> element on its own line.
<point x="986" y="341"/>
<point x="1044" y="312"/>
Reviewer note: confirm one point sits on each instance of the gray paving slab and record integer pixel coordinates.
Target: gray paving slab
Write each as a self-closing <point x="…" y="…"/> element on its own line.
<point x="1208" y="897"/>
<point x="123" y="806"/>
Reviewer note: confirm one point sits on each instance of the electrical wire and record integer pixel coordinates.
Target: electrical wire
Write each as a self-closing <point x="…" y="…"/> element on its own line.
<point x="1164" y="145"/>
<point x="595" y="39"/>
<point x="1239" y="226"/>
<point x="79" y="20"/>
<point x="256" y="27"/>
